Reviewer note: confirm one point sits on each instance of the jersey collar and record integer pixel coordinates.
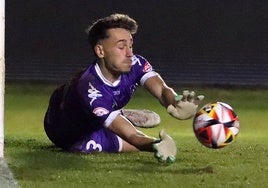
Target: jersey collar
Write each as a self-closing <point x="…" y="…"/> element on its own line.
<point x="107" y="82"/>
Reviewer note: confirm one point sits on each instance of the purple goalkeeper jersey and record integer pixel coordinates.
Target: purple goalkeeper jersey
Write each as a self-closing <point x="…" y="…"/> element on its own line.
<point x="80" y="111"/>
<point x="102" y="100"/>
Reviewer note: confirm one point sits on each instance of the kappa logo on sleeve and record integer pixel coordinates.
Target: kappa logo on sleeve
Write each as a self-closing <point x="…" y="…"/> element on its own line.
<point x="100" y="111"/>
<point x="93" y="93"/>
<point x="136" y="60"/>
<point x="147" y="67"/>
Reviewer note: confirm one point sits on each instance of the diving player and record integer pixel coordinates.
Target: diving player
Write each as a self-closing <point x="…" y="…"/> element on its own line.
<point x="87" y="114"/>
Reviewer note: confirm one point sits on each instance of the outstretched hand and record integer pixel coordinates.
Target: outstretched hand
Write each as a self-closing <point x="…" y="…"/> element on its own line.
<point x="165" y="148"/>
<point x="186" y="105"/>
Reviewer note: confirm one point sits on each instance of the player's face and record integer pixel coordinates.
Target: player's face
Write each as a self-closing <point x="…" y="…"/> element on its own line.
<point x="117" y="50"/>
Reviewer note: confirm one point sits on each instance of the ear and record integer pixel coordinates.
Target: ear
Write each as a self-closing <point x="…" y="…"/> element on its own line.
<point x="99" y="51"/>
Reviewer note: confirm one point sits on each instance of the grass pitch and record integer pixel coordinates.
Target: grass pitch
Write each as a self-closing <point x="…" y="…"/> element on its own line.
<point x="35" y="162"/>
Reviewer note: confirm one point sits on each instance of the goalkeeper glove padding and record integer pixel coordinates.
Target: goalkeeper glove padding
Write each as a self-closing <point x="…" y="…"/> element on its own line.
<point x="165" y="148"/>
<point x="186" y="105"/>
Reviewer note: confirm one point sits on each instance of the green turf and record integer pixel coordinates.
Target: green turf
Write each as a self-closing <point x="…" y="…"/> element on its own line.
<point x="36" y="163"/>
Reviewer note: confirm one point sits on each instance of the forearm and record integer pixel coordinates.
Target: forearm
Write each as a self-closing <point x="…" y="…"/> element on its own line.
<point x="142" y="142"/>
<point x="158" y="88"/>
<point x="167" y="96"/>
<point x="123" y="128"/>
<point x="164" y="147"/>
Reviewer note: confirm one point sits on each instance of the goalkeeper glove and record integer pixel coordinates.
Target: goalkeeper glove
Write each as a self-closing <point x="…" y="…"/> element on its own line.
<point x="186" y="105"/>
<point x="165" y="148"/>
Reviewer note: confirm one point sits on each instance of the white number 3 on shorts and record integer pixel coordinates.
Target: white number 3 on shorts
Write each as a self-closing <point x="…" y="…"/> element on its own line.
<point x="92" y="145"/>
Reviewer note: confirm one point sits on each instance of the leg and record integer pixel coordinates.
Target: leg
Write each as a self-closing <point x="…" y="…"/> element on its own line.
<point x="102" y="140"/>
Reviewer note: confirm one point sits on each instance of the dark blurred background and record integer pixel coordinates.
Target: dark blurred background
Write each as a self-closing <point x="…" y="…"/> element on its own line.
<point x="190" y="42"/>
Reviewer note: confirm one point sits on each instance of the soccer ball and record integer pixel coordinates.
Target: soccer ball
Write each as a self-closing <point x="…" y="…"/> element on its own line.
<point x="216" y="125"/>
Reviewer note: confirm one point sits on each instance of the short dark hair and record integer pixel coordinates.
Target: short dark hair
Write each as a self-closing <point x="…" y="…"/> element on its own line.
<point x="98" y="30"/>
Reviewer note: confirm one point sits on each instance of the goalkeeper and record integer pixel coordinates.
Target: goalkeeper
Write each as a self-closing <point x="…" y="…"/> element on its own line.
<point x="87" y="114"/>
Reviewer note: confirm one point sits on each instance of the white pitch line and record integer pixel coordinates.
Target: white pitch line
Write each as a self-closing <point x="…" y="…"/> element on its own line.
<point x="6" y="177"/>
